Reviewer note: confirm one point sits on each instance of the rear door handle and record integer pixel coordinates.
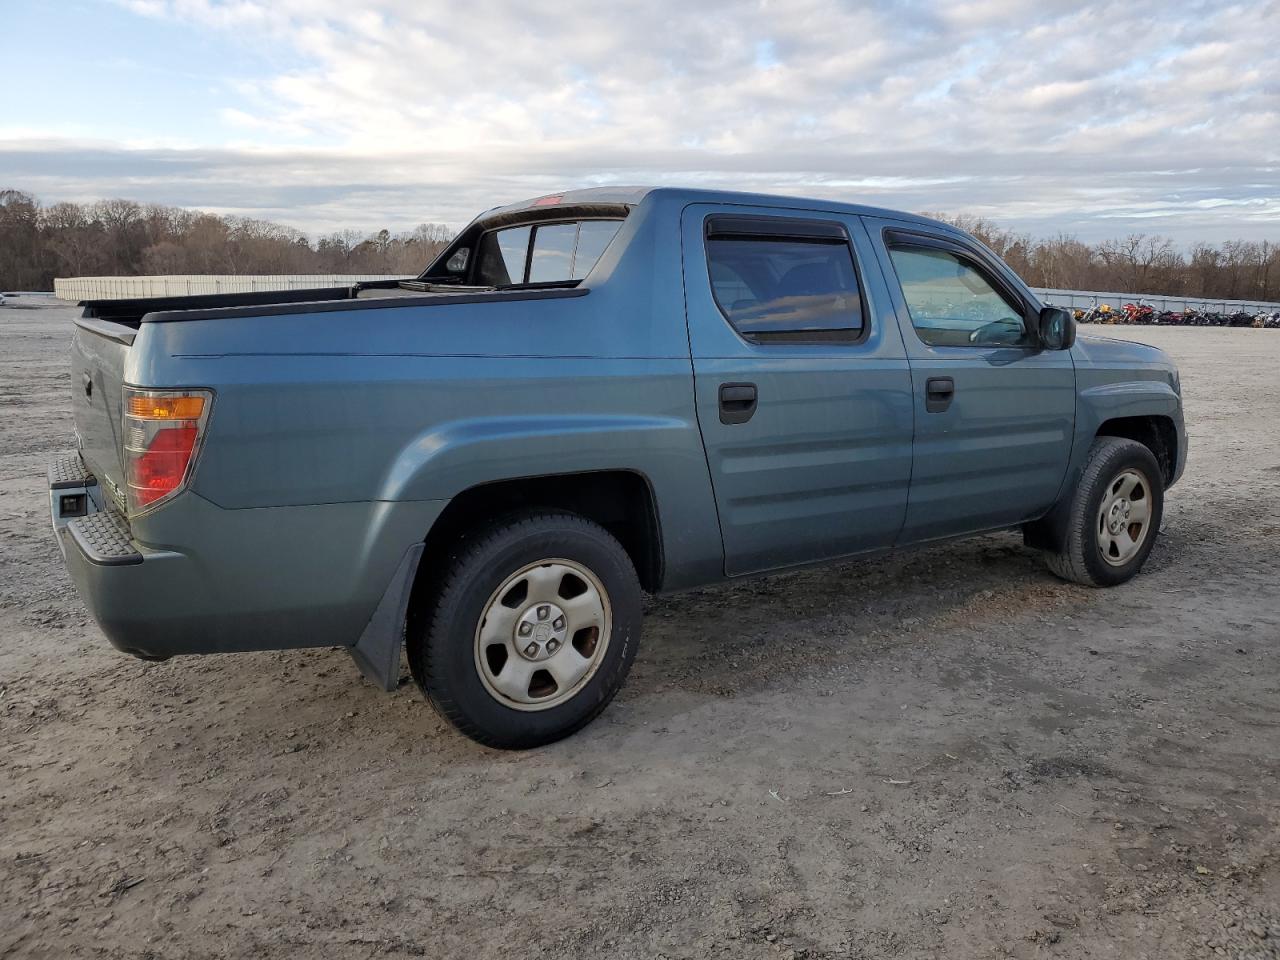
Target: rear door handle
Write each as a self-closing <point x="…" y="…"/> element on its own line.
<point x="737" y="402"/>
<point x="938" y="393"/>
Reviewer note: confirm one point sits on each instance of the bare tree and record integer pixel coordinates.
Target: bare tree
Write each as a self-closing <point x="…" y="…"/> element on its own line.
<point x="1139" y="263"/>
<point x="124" y="238"/>
<point x="22" y="253"/>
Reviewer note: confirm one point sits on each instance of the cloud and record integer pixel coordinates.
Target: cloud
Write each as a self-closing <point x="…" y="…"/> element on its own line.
<point x="1044" y="115"/>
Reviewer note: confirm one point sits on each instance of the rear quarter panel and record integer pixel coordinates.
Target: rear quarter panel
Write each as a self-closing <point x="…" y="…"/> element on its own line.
<point x="420" y="402"/>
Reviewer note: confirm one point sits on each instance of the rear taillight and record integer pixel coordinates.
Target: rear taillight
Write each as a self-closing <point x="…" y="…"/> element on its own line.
<point x="162" y="431"/>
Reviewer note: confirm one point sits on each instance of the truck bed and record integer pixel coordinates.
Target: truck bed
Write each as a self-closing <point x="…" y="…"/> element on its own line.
<point x="130" y="312"/>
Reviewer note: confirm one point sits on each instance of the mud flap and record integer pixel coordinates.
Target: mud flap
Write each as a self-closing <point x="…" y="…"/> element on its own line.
<point x="1050" y="531"/>
<point x="377" y="652"/>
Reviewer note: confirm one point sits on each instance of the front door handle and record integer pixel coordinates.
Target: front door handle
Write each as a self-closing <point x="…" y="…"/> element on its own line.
<point x="737" y="402"/>
<point x="938" y="393"/>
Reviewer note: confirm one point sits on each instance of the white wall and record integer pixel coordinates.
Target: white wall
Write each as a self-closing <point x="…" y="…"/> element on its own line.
<point x="1084" y="299"/>
<point x="125" y="288"/>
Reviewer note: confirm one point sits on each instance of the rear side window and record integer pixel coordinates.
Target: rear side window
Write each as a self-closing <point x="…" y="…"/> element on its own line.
<point x="543" y="253"/>
<point x="784" y="283"/>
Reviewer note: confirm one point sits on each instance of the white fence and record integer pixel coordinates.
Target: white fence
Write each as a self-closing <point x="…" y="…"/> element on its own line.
<point x="129" y="288"/>
<point x="1158" y="302"/>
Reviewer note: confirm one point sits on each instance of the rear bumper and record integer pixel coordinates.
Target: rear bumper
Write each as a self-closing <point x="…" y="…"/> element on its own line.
<point x="195" y="578"/>
<point x="133" y="599"/>
<point x="117" y="580"/>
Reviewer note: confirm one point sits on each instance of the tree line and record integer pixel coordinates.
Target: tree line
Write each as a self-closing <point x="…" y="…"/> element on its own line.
<point x="1137" y="263"/>
<point x="124" y="238"/>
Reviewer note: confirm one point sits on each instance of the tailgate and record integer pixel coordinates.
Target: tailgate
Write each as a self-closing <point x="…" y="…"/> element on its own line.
<point x="99" y="351"/>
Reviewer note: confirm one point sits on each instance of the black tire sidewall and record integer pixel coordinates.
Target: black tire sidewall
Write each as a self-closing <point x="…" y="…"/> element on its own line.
<point x="1112" y="462"/>
<point x="450" y="676"/>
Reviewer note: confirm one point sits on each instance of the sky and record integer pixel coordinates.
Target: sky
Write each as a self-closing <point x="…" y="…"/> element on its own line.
<point x="1046" y="116"/>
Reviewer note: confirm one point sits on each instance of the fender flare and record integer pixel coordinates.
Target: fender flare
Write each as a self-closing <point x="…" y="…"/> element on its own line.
<point x="1094" y="407"/>
<point x="456" y="456"/>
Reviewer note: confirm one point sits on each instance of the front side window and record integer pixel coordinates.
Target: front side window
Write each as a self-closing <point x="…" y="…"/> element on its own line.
<point x="951" y="302"/>
<point x="780" y="289"/>
<point x="559" y="252"/>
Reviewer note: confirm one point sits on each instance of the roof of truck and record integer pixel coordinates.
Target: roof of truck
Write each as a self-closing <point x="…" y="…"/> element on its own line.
<point x="632" y="195"/>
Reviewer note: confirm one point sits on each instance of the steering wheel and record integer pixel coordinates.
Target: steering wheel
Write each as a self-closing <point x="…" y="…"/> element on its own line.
<point x="1006" y="330"/>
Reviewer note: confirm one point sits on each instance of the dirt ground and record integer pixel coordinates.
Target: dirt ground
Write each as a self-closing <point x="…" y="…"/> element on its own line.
<point x="948" y="753"/>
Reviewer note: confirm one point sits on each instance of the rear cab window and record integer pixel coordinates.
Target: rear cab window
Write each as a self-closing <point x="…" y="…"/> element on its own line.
<point x="542" y="253"/>
<point x="785" y="281"/>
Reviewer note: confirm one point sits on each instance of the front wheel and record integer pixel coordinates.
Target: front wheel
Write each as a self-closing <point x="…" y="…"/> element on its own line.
<point x="1115" y="515"/>
<point x="533" y="630"/>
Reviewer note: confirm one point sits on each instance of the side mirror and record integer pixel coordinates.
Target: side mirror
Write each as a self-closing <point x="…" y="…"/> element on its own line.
<point x="1057" y="328"/>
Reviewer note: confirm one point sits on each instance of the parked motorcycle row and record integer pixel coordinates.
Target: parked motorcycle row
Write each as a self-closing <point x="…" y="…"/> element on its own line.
<point x="1144" y="313"/>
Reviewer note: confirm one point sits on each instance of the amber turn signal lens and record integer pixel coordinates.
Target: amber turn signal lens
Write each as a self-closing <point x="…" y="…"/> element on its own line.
<point x="165" y="408"/>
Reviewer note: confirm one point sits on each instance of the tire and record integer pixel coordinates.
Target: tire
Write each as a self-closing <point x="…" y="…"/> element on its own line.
<point x="500" y="656"/>
<point x="1093" y="552"/>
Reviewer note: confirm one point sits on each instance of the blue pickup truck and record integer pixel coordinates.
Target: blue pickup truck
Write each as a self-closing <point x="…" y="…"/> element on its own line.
<point x="586" y="396"/>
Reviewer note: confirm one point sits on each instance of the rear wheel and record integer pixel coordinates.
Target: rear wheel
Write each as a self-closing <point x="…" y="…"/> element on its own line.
<point x="533" y="630"/>
<point x="1115" y="516"/>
